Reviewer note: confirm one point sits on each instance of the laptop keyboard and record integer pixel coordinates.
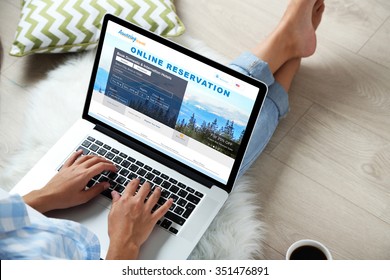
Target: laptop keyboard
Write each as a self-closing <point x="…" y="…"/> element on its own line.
<point x="185" y="198"/>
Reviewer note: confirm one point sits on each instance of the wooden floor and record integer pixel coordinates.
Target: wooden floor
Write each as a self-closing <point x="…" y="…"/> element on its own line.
<point x="326" y="173"/>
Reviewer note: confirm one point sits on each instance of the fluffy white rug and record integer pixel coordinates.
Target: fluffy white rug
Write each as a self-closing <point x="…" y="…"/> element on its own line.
<point x="55" y="103"/>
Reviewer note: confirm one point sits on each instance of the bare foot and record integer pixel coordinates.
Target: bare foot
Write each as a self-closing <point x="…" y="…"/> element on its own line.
<point x="286" y="73"/>
<point x="297" y="22"/>
<point x="294" y="37"/>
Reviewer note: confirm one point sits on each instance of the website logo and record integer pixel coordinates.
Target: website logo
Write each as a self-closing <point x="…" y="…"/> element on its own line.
<point x="131" y="37"/>
<point x="127" y="35"/>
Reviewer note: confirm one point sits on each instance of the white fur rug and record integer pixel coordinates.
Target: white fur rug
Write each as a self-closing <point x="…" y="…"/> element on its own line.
<point x="55" y="103"/>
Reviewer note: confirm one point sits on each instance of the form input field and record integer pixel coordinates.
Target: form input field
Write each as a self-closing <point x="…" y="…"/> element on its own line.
<point x="124" y="61"/>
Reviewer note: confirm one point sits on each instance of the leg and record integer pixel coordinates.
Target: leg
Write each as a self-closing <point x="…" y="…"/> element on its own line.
<point x="294" y="37"/>
<point x="282" y="50"/>
<point x="276" y="103"/>
<point x="285" y="74"/>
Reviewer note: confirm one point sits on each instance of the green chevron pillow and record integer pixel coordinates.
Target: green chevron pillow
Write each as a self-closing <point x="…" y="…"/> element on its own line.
<point x="48" y="26"/>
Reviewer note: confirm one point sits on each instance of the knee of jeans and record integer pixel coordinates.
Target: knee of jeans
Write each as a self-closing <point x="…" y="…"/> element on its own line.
<point x="264" y="129"/>
<point x="279" y="96"/>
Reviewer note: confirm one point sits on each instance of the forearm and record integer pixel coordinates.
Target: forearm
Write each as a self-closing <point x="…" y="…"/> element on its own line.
<point x="38" y="200"/>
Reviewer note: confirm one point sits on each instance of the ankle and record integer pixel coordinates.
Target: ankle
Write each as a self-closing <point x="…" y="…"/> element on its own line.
<point x="276" y="50"/>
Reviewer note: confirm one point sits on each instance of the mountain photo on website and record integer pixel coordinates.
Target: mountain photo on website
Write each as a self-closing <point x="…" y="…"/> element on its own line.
<point x="215" y="120"/>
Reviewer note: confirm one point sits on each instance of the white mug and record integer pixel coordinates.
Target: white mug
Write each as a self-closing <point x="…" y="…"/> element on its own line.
<point x="307" y="249"/>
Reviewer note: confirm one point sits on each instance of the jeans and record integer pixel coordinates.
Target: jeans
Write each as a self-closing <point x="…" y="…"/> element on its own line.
<point x="274" y="108"/>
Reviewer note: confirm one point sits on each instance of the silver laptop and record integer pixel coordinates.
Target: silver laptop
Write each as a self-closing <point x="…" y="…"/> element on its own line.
<point x="166" y="115"/>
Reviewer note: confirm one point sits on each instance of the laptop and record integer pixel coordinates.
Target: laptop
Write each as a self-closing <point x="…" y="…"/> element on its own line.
<point x="166" y="115"/>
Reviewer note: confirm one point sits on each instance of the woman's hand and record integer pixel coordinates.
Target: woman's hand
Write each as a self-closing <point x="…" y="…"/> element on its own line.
<point x="131" y="220"/>
<point x="67" y="188"/>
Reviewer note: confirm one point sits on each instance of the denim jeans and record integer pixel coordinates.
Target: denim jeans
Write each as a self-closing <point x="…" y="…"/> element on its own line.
<point x="274" y="108"/>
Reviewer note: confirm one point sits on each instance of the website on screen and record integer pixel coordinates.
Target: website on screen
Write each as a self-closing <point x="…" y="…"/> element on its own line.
<point x="176" y="104"/>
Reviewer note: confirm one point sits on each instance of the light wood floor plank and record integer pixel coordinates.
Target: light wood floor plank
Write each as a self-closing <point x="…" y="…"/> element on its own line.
<point x="296" y="207"/>
<point x="351" y="23"/>
<point x="240" y="27"/>
<point x="9" y="17"/>
<point x="348" y="84"/>
<point x="346" y="158"/>
<point x="377" y="48"/>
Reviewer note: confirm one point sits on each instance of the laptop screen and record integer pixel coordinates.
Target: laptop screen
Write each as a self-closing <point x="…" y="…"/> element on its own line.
<point x="180" y="106"/>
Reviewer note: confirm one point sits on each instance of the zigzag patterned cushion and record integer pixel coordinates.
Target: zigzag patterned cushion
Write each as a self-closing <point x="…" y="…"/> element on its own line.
<point x="48" y="26"/>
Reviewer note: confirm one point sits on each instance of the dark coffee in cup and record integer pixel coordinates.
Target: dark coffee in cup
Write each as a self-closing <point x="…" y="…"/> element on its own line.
<point x="307" y="253"/>
<point x="307" y="249"/>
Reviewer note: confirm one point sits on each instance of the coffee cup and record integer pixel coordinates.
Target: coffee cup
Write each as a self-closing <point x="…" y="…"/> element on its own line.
<point x="307" y="249"/>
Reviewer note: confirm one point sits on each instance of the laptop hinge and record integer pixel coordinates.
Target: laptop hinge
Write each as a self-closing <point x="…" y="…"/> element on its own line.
<point x="157" y="156"/>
